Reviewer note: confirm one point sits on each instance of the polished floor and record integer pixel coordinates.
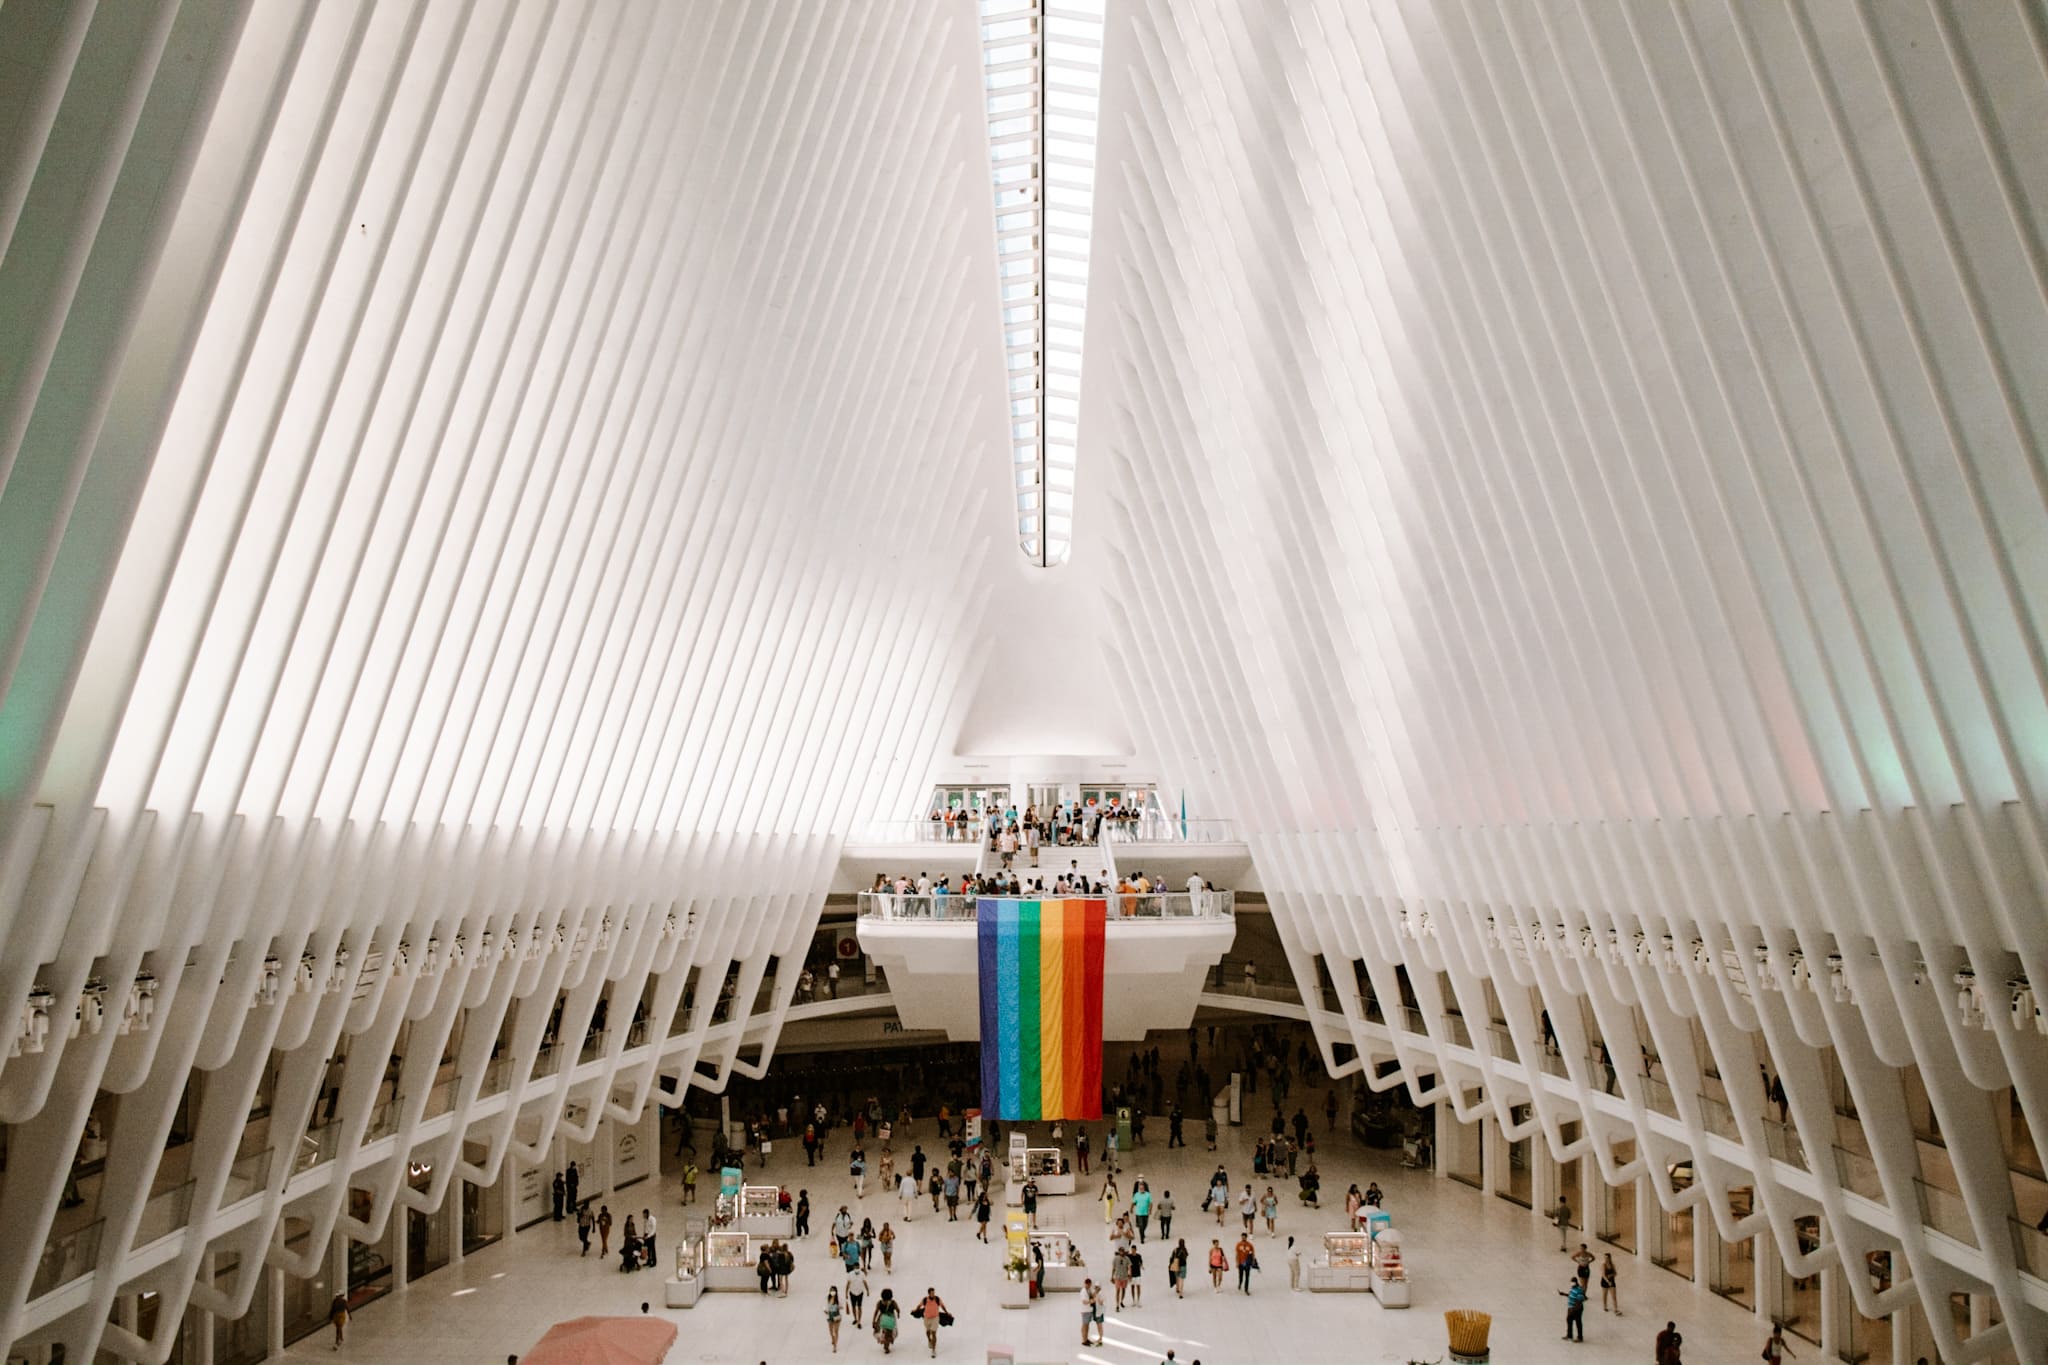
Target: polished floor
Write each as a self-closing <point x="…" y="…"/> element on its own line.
<point x="1466" y="1250"/>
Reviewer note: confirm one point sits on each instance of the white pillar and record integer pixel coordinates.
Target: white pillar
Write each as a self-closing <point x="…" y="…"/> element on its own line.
<point x="398" y="1249"/>
<point x="1703" y="1235"/>
<point x="1446" y="1126"/>
<point x="1831" y="1312"/>
<point x="1648" y="1211"/>
<point x="204" y="1348"/>
<point x="273" y="1290"/>
<point x="1763" y="1258"/>
<point x="1489" y="1155"/>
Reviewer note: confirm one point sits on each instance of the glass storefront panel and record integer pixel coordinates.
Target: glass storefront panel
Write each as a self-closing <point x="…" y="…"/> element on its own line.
<point x="426" y="1245"/>
<point x="483" y="1209"/>
<point x="244" y="1340"/>
<point x="305" y="1300"/>
<point x="1520" y="1185"/>
<point x="1618" y="1204"/>
<point x="1464" y="1157"/>
<point x="1800" y="1295"/>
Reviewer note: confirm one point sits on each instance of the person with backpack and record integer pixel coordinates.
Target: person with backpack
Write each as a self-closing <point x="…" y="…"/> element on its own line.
<point x="785" y="1265"/>
<point x="932" y="1309"/>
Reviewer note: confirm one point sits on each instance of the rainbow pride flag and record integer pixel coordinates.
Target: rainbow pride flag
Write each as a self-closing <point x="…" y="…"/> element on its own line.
<point x="1041" y="1007"/>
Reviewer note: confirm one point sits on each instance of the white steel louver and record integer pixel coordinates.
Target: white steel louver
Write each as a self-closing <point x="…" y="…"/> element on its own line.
<point x="1042" y="65"/>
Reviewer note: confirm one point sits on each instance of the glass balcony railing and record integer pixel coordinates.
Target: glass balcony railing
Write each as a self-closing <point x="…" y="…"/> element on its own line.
<point x="1946" y="1212"/>
<point x="2030" y="1248"/>
<point x="1167" y="829"/>
<point x="66" y="1258"/>
<point x="164" y="1213"/>
<point x="1858" y="1174"/>
<point x="1157" y="905"/>
<point x="918" y="832"/>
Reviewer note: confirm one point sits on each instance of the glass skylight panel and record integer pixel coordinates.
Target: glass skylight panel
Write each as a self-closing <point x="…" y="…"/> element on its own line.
<point x="1042" y="71"/>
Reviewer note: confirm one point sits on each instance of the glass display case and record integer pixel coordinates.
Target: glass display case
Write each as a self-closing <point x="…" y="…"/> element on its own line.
<point x="1346" y="1249"/>
<point x="760" y="1201"/>
<point x="1389" y="1269"/>
<point x="727" y="1249"/>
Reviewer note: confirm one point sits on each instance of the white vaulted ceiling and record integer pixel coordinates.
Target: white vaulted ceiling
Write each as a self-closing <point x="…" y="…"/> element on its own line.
<point x="1575" y="471"/>
<point x="531" y="477"/>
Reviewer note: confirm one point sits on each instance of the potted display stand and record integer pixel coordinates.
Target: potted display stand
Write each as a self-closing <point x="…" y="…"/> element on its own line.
<point x="1016" y="1292"/>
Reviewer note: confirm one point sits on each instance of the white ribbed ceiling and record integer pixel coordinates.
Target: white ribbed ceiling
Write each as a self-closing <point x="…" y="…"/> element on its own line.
<point x="1561" y="475"/>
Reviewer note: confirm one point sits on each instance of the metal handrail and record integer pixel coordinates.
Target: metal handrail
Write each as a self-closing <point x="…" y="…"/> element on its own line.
<point x="1133" y="907"/>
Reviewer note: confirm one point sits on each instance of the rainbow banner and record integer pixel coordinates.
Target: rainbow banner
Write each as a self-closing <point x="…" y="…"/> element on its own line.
<point x="1041" y="1007"/>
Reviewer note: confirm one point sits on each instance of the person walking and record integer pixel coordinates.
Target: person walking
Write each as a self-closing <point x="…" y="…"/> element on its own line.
<point x="1575" y="1310"/>
<point x="1610" y="1286"/>
<point x="803" y="1213"/>
<point x="574" y="1178"/>
<point x="933" y="1311"/>
<point x="1030" y="1198"/>
<point x="337" y="1314"/>
<point x="1248" y="1209"/>
<point x="1177" y="1269"/>
<point x="1091" y="1313"/>
<point x="842" y="1229"/>
<point x="1120" y="1275"/>
<point x="604" y="1230"/>
<point x="856" y="1291"/>
<point x="1218" y="1263"/>
<point x="561" y="1188"/>
<point x="886" y="1240"/>
<point x="1247" y="1262"/>
<point x="1665" y="1352"/>
<point x="1109" y="1201"/>
<point x="1269" y="1208"/>
<point x="585" y="1224"/>
<point x="1081" y="1150"/>
<point x="1137" y="1258"/>
<point x="981" y="1214"/>
<point x="1775" y="1350"/>
<point x="832" y="1317"/>
<point x="867" y="1243"/>
<point x="1293" y="1266"/>
<point x="1219" y="1195"/>
<point x="886" y="1321"/>
<point x="647" y="1237"/>
<point x="906" y="1189"/>
<point x="857" y="1167"/>
<point x="1209" y="1129"/>
<point x="690" y="1182"/>
<point x="1141" y="1206"/>
<point x="1562" y="1216"/>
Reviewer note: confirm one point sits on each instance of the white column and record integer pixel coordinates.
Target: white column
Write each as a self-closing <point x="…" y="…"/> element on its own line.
<point x="204" y="1347"/>
<point x="1831" y="1312"/>
<point x="1648" y="1211"/>
<point x="1490" y="1154"/>
<point x="399" y="1249"/>
<point x="1446" y="1126"/>
<point x="1703" y="1235"/>
<point x="1763" y="1270"/>
<point x="273" y="1290"/>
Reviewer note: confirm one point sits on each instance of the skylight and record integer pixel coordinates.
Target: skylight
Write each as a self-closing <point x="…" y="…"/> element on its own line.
<point x="1042" y="69"/>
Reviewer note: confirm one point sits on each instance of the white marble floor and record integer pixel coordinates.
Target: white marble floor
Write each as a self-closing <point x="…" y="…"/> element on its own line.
<point x="1466" y="1250"/>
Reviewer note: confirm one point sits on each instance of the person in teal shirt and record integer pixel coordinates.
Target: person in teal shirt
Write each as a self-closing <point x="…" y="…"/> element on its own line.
<point x="1141" y="1206"/>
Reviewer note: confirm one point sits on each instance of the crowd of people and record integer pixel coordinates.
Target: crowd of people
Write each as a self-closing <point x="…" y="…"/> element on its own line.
<point x="1065" y="824"/>
<point x="958" y="1178"/>
<point x="1133" y="892"/>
